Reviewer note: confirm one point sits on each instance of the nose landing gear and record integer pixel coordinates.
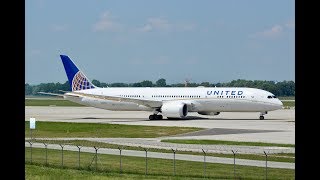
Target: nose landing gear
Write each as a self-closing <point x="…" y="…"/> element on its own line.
<point x="261" y="115"/>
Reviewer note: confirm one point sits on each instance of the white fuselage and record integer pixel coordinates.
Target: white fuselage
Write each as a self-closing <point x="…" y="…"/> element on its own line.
<point x="198" y="99"/>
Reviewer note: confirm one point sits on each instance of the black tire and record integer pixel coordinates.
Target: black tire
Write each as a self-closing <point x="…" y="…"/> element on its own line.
<point x="261" y="117"/>
<point x="151" y="117"/>
<point x="160" y="117"/>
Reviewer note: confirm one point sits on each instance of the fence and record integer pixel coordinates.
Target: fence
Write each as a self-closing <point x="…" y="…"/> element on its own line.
<point x="96" y="159"/>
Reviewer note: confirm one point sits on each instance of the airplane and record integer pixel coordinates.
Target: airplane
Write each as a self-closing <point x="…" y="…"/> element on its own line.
<point x="171" y="102"/>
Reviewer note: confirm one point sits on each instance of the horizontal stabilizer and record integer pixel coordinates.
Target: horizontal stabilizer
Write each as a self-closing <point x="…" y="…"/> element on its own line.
<point x="52" y="94"/>
<point x="64" y="91"/>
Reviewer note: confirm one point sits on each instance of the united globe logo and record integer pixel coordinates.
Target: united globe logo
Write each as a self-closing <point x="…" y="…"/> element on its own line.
<point x="80" y="82"/>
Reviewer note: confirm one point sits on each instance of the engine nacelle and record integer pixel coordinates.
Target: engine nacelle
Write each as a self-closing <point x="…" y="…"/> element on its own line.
<point x="209" y="113"/>
<point x="174" y="110"/>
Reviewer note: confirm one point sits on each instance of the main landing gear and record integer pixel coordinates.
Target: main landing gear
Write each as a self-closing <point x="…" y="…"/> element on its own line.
<point x="155" y="117"/>
<point x="261" y="115"/>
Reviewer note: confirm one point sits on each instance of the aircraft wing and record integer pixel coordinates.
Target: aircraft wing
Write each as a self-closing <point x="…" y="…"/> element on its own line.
<point x="145" y="102"/>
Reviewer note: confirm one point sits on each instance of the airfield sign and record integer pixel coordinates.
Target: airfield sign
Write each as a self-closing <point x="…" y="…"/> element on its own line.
<point x="32" y="123"/>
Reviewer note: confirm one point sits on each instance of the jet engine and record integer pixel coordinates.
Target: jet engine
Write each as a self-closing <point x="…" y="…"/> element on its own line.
<point x="174" y="110"/>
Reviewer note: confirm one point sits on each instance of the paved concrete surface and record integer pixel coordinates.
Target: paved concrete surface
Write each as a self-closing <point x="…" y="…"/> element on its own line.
<point x="197" y="158"/>
<point x="278" y="126"/>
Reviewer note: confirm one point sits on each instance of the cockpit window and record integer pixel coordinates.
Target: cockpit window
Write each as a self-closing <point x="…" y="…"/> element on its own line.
<point x="273" y="96"/>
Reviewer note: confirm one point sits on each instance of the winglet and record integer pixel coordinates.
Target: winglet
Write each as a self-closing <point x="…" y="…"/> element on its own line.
<point x="77" y="80"/>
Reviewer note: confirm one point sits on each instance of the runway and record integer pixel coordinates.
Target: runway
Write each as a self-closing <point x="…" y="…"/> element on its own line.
<point x="278" y="126"/>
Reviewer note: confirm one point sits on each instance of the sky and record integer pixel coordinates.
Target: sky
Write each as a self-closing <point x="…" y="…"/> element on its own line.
<point x="131" y="41"/>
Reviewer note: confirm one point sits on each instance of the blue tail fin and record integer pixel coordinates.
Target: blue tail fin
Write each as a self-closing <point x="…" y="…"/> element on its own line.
<point x="77" y="80"/>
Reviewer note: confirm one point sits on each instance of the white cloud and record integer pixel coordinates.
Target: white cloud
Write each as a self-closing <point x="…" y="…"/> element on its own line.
<point x="155" y="24"/>
<point x="272" y="32"/>
<point x="162" y="24"/>
<point x="106" y="23"/>
<point x="146" y="28"/>
<point x="275" y="31"/>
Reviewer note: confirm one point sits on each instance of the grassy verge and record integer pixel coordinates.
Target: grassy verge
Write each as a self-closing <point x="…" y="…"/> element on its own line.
<point x="51" y="172"/>
<point x="287" y="97"/>
<point x="281" y="157"/>
<point x="288" y="103"/>
<point x="49" y="102"/>
<point x="219" y="142"/>
<point x="108" y="165"/>
<point x="65" y="129"/>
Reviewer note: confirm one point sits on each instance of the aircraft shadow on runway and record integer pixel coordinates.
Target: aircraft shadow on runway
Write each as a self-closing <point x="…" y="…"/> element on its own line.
<point x="203" y="118"/>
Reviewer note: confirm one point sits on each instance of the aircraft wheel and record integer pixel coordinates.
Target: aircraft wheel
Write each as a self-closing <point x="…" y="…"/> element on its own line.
<point x="261" y="118"/>
<point x="152" y="117"/>
<point x="160" y="117"/>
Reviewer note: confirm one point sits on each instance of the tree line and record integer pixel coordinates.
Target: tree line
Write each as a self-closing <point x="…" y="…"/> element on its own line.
<point x="284" y="88"/>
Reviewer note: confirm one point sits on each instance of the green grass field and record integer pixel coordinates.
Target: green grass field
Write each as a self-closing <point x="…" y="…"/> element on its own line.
<point x="289" y="103"/>
<point x="287" y="97"/>
<point x="206" y="142"/>
<point x="50" y="172"/>
<point x="65" y="129"/>
<point x="50" y="102"/>
<point x="109" y="165"/>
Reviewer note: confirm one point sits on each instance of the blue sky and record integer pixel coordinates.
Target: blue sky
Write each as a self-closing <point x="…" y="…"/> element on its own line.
<point x="131" y="41"/>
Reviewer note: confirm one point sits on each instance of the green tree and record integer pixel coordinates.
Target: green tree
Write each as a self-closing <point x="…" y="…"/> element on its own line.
<point x="119" y="85"/>
<point x="96" y="83"/>
<point x="146" y="83"/>
<point x="104" y="84"/>
<point x="205" y="84"/>
<point x="27" y="89"/>
<point x="161" y="83"/>
<point x="178" y="85"/>
<point x="66" y="86"/>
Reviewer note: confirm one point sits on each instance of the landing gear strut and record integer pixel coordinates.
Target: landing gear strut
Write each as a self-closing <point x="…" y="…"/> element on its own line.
<point x="155" y="117"/>
<point x="261" y="115"/>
